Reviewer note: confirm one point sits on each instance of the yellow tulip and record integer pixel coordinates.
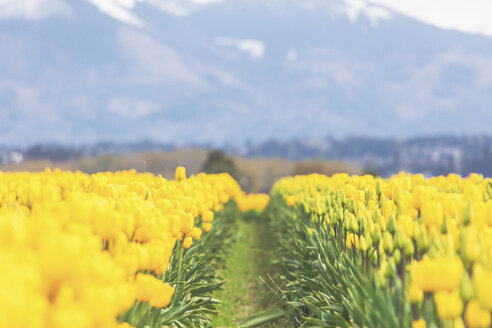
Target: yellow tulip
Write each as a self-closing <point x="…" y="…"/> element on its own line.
<point x="187" y="242"/>
<point x="406" y="223"/>
<point x="290" y="200"/>
<point x="476" y="316"/>
<point x="180" y="173"/>
<point x="470" y="243"/>
<point x="448" y="304"/>
<point x="432" y="214"/>
<point x="482" y="281"/>
<point x="196" y="233"/>
<point x="352" y="240"/>
<point x="207" y="227"/>
<point x="415" y="294"/>
<point x="438" y="274"/>
<point x="208" y="216"/>
<point x="420" y="323"/>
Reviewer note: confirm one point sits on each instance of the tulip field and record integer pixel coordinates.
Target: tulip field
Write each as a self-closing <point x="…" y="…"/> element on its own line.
<point x="128" y="249"/>
<point x="113" y="249"/>
<point x="401" y="252"/>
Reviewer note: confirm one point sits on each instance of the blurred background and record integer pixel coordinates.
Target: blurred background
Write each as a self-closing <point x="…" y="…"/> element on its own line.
<point x="258" y="88"/>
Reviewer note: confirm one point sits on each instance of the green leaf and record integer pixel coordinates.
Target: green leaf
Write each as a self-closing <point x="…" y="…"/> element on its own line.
<point x="205" y="289"/>
<point x="262" y="318"/>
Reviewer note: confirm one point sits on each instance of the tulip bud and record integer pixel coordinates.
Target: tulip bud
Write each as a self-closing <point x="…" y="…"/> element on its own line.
<point x="408" y="248"/>
<point x="354" y="226"/>
<point x="368" y="237"/>
<point x="350" y="205"/>
<point x="326" y="219"/>
<point x="466" y="288"/>
<point x="388" y="243"/>
<point x="435" y="243"/>
<point x="399" y="238"/>
<point x="381" y="222"/>
<point x="180" y="173"/>
<point x="347" y="223"/>
<point x="376" y="235"/>
<point x="422" y="240"/>
<point x="332" y="232"/>
<point x="384" y="268"/>
<point x="363" y="224"/>
<point x="331" y="213"/>
<point x="363" y="244"/>
<point x="370" y="225"/>
<point x="379" y="188"/>
<point x="397" y="255"/>
<point x="392" y="224"/>
<point x="444" y="226"/>
<point x="397" y="195"/>
<point x="415" y="294"/>
<point x="470" y="244"/>
<point x="466" y="220"/>
<point x="382" y="255"/>
<point x="380" y="248"/>
<point x="448" y="245"/>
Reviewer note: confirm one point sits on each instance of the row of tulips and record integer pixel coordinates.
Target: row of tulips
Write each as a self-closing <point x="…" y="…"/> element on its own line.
<point x="113" y="249"/>
<point x="360" y="251"/>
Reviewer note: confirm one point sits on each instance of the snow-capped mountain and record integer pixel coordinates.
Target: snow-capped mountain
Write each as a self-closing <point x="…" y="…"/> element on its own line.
<point x="232" y="70"/>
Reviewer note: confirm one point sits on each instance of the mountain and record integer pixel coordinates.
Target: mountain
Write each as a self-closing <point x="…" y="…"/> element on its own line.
<point x="228" y="71"/>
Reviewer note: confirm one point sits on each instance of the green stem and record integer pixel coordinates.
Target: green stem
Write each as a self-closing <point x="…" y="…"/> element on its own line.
<point x="180" y="261"/>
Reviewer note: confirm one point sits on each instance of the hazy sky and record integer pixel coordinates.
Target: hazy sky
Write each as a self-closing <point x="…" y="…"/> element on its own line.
<point x="471" y="16"/>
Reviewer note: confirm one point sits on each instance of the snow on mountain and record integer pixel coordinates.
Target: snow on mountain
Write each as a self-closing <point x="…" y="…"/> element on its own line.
<point x="120" y="10"/>
<point x="33" y="9"/>
<point x="255" y="48"/>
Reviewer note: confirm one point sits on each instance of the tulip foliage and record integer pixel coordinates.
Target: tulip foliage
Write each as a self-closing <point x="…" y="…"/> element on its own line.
<point x="407" y="251"/>
<point x="113" y="249"/>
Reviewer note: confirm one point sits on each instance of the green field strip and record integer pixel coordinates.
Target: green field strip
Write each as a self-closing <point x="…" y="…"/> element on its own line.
<point x="244" y="294"/>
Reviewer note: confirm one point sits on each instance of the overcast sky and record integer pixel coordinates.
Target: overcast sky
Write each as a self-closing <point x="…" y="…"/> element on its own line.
<point x="471" y="16"/>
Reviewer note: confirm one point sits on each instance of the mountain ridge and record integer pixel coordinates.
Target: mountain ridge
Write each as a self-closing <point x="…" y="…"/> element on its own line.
<point x="320" y="72"/>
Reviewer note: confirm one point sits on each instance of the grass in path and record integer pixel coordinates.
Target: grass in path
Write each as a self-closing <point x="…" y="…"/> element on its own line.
<point x="244" y="294"/>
